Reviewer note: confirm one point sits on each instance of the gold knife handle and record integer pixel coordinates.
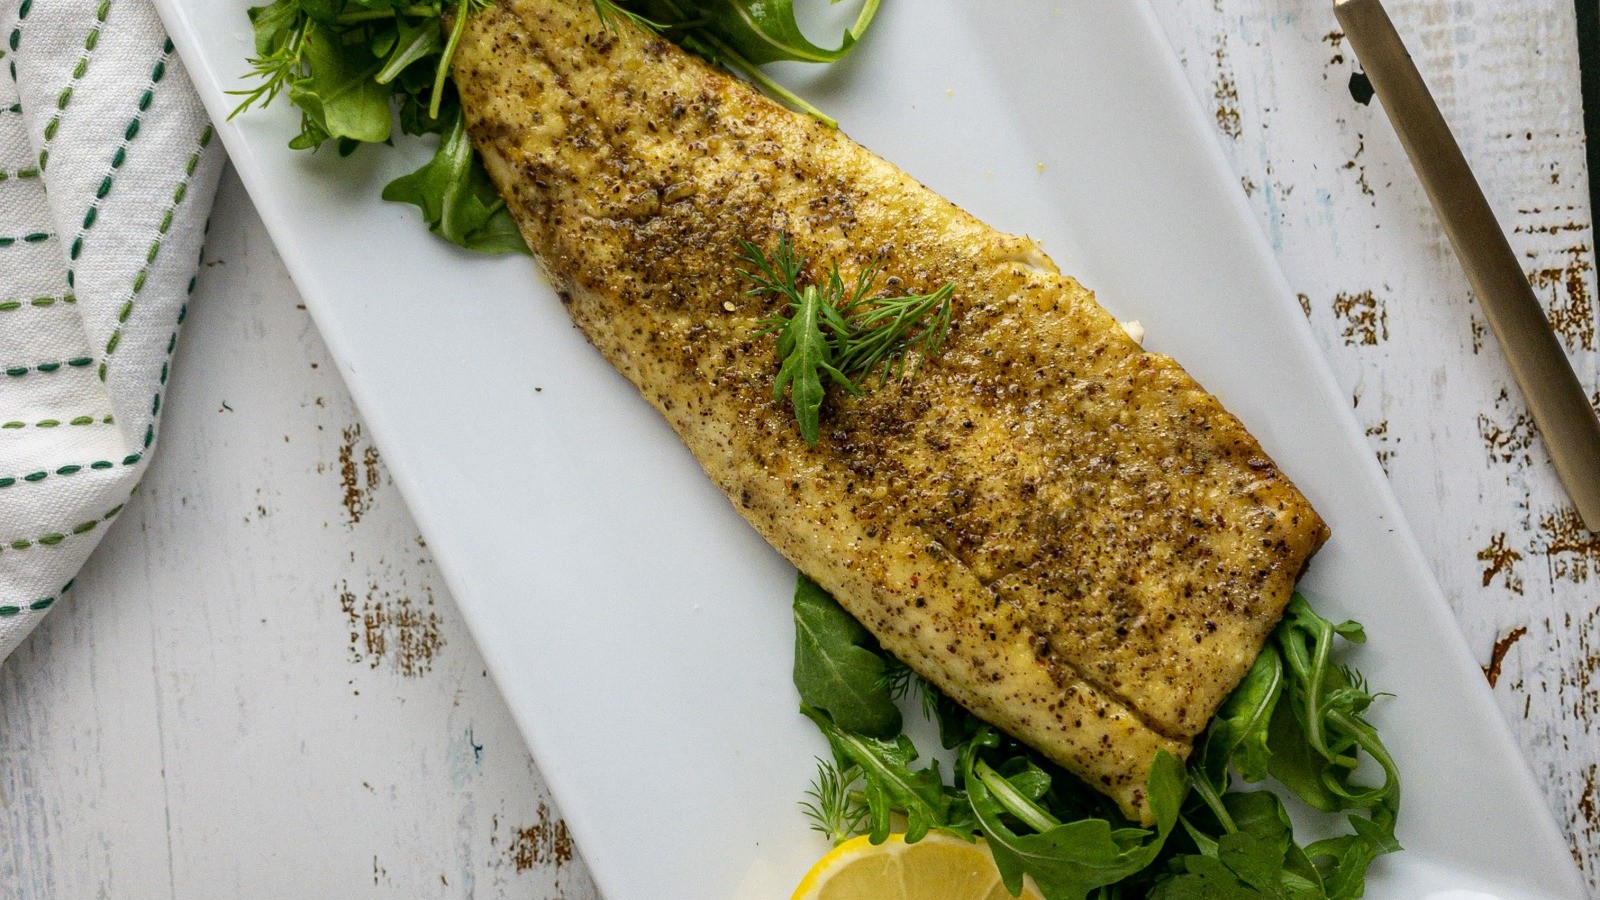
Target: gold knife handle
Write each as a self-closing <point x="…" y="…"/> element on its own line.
<point x="1562" y="412"/>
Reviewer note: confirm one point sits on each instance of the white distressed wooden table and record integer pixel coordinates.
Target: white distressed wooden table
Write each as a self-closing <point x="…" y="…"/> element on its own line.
<point x="260" y="688"/>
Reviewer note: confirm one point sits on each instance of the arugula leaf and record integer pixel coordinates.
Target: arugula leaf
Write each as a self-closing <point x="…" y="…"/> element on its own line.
<point x="1263" y="852"/>
<point x="834" y="669"/>
<point x="1238" y="735"/>
<point x="891" y="785"/>
<point x="325" y="11"/>
<point x="1296" y="765"/>
<point x="763" y="31"/>
<point x="411" y="104"/>
<point x="463" y="9"/>
<point x="1261" y="814"/>
<point x="274" y="24"/>
<point x="1345" y="859"/>
<point x="807" y="353"/>
<point x="1296" y="717"/>
<point x="1045" y="824"/>
<point x="1260" y="859"/>
<point x="349" y="65"/>
<point x="742" y="35"/>
<point x="807" y="334"/>
<point x="1327" y="703"/>
<point x="1026" y="777"/>
<point x="1203" y="878"/>
<point x="1068" y="861"/>
<point x="458" y="201"/>
<point x="1242" y="866"/>
<point x="414" y="41"/>
<point x="338" y="98"/>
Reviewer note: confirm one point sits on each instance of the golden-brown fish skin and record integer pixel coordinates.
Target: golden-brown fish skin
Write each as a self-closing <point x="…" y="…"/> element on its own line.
<point x="1065" y="533"/>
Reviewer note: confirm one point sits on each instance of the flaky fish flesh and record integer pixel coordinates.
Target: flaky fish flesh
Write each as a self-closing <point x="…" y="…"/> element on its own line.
<point x="1060" y="530"/>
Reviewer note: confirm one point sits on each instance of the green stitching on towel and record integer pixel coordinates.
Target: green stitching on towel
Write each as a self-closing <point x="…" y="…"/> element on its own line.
<point x="76" y="362"/>
<point x="65" y="97"/>
<point x="178" y="194"/>
<point x="39" y="605"/>
<point x="56" y="537"/>
<point x="98" y="465"/>
<point x="19" y="174"/>
<point x="118" y="158"/>
<point x="15" y="39"/>
<point x="172" y="344"/>
<point x="33" y="238"/>
<point x="35" y="303"/>
<point x="131" y="459"/>
<point x="57" y="423"/>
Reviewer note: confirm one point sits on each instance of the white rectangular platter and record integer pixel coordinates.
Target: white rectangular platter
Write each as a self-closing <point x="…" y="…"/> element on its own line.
<point x="640" y="630"/>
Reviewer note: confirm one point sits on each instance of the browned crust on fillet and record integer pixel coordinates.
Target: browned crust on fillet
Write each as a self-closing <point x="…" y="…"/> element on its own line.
<point x="1065" y="533"/>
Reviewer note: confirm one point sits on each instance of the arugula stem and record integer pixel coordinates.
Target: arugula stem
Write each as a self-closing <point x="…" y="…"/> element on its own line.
<point x="734" y="59"/>
<point x="443" y="72"/>
<point x="355" y="18"/>
<point x="1312" y="671"/>
<point x="1367" y="738"/>
<point x="1208" y="793"/>
<point x="1031" y="814"/>
<point x="868" y="10"/>
<point x="453" y="144"/>
<point x="855" y="743"/>
<point x="891" y="784"/>
<point x="1322" y="632"/>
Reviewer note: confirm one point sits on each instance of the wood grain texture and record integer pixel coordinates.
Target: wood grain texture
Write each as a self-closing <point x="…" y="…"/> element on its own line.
<point x="260" y="688"/>
<point x="1353" y="230"/>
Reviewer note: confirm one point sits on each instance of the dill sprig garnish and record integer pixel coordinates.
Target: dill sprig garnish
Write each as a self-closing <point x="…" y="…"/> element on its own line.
<point x="281" y="33"/>
<point x="610" y="13"/>
<point x="897" y="677"/>
<point x="836" y="809"/>
<point x="837" y="331"/>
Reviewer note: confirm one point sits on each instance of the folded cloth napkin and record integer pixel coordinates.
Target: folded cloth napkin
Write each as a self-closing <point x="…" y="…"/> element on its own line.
<point x="107" y="171"/>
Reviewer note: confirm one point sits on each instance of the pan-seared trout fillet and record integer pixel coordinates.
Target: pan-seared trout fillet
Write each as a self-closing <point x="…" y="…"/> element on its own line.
<point x="1065" y="533"/>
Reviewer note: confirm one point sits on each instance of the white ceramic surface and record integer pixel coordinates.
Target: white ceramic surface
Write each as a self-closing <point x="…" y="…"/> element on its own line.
<point x="640" y="630"/>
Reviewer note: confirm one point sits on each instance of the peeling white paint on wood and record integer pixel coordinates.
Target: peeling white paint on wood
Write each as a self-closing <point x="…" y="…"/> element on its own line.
<point x="1331" y="186"/>
<point x="260" y="687"/>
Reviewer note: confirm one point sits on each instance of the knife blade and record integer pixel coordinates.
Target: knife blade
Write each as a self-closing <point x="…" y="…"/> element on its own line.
<point x="1564" y="416"/>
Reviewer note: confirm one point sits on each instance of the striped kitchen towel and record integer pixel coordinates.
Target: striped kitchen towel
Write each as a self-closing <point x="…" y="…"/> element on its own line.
<point x="107" y="171"/>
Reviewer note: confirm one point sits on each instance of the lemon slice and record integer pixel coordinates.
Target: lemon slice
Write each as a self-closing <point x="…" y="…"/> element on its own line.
<point x="938" y="867"/>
